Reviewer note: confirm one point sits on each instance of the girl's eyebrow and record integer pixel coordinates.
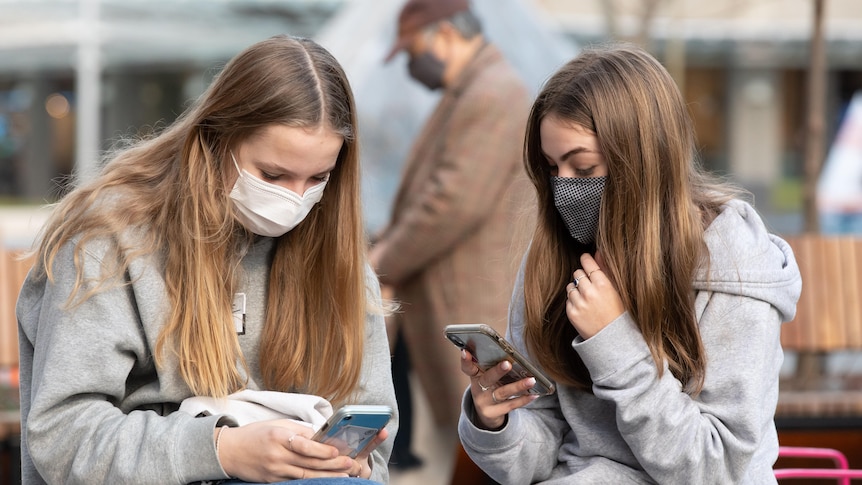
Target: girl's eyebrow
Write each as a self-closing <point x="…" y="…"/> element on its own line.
<point x="273" y="168"/>
<point x="568" y="154"/>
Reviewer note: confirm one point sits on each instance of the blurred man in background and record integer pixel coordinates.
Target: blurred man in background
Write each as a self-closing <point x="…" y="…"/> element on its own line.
<point x="449" y="252"/>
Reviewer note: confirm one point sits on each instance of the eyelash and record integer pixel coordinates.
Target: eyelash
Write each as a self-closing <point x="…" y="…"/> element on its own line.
<point x="579" y="172"/>
<point x="268" y="176"/>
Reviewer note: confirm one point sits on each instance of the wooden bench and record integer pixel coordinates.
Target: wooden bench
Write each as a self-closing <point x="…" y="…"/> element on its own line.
<point x="13" y="270"/>
<point x="828" y="319"/>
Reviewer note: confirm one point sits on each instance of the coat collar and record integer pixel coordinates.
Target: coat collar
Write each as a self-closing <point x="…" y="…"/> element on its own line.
<point x="485" y="56"/>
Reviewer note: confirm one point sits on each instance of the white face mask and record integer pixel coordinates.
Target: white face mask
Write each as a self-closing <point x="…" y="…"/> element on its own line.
<point x="267" y="209"/>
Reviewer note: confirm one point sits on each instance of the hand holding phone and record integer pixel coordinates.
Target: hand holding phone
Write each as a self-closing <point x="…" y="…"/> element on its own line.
<point x="489" y="348"/>
<point x="353" y="428"/>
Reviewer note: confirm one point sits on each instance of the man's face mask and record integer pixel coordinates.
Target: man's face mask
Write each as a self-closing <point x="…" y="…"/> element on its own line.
<point x="267" y="209"/>
<point x="427" y="69"/>
<point x="578" y="200"/>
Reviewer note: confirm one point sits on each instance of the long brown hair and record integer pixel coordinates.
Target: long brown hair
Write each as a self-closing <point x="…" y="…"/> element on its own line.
<point x="655" y="207"/>
<point x="171" y="192"/>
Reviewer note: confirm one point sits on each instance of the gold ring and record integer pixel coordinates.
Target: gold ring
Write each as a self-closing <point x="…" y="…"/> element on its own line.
<point x="593" y="271"/>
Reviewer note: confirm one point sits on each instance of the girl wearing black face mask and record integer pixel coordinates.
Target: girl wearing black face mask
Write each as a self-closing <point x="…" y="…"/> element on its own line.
<point x="650" y="339"/>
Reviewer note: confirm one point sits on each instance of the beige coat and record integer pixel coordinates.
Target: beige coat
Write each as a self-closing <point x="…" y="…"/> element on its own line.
<point x="460" y="221"/>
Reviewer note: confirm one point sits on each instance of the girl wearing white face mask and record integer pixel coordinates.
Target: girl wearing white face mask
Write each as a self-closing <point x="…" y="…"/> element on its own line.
<point x="226" y="254"/>
<point x="268" y="209"/>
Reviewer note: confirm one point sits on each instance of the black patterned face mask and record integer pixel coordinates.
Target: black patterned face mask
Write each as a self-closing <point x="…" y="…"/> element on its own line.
<point x="578" y="200"/>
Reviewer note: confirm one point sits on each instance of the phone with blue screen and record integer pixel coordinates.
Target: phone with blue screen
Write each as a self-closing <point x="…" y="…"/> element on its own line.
<point x="353" y="427"/>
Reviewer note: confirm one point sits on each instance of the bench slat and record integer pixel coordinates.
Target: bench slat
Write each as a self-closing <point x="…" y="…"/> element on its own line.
<point x="819" y="283"/>
<point x="793" y="333"/>
<point x="13" y="271"/>
<point x="839" y="279"/>
<point x="853" y="295"/>
<point x="8" y="332"/>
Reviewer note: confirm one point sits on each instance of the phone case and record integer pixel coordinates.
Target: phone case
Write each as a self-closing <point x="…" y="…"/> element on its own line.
<point x="353" y="427"/>
<point x="489" y="348"/>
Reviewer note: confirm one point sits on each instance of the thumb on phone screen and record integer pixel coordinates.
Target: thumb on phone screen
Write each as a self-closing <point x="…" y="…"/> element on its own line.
<point x="380" y="438"/>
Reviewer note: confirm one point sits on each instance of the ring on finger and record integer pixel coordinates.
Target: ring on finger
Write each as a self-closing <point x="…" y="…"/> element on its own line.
<point x="575" y="281"/>
<point x="484" y="388"/>
<point x="494" y="397"/>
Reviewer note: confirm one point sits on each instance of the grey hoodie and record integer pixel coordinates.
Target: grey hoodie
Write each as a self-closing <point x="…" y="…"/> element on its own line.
<point x="641" y="428"/>
<point x="94" y="407"/>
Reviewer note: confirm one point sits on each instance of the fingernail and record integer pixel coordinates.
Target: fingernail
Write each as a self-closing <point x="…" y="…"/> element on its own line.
<point x="463" y="354"/>
<point x="531" y="382"/>
<point x="506" y="365"/>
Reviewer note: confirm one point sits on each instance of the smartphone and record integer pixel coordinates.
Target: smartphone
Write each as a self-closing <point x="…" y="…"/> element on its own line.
<point x="352" y="428"/>
<point x="489" y="348"/>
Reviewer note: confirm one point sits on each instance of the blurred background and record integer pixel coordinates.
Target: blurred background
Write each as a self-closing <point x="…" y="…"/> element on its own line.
<point x="774" y="87"/>
<point x="76" y="75"/>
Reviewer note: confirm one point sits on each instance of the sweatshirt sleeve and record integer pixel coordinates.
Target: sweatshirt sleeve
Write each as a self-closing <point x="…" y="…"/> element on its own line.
<point x="531" y="438"/>
<point x="81" y="365"/>
<point x="376" y="382"/>
<point x="710" y="438"/>
<point x="532" y="435"/>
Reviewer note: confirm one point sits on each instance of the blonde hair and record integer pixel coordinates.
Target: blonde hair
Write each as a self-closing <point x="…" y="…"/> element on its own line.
<point x="171" y="192"/>
<point x="655" y="208"/>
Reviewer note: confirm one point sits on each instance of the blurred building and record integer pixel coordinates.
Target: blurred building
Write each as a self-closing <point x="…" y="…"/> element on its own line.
<point x="742" y="65"/>
<point x="77" y="75"/>
<point x="137" y="63"/>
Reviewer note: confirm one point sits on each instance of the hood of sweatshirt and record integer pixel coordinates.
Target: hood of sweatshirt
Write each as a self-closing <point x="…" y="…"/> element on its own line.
<point x="746" y="260"/>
